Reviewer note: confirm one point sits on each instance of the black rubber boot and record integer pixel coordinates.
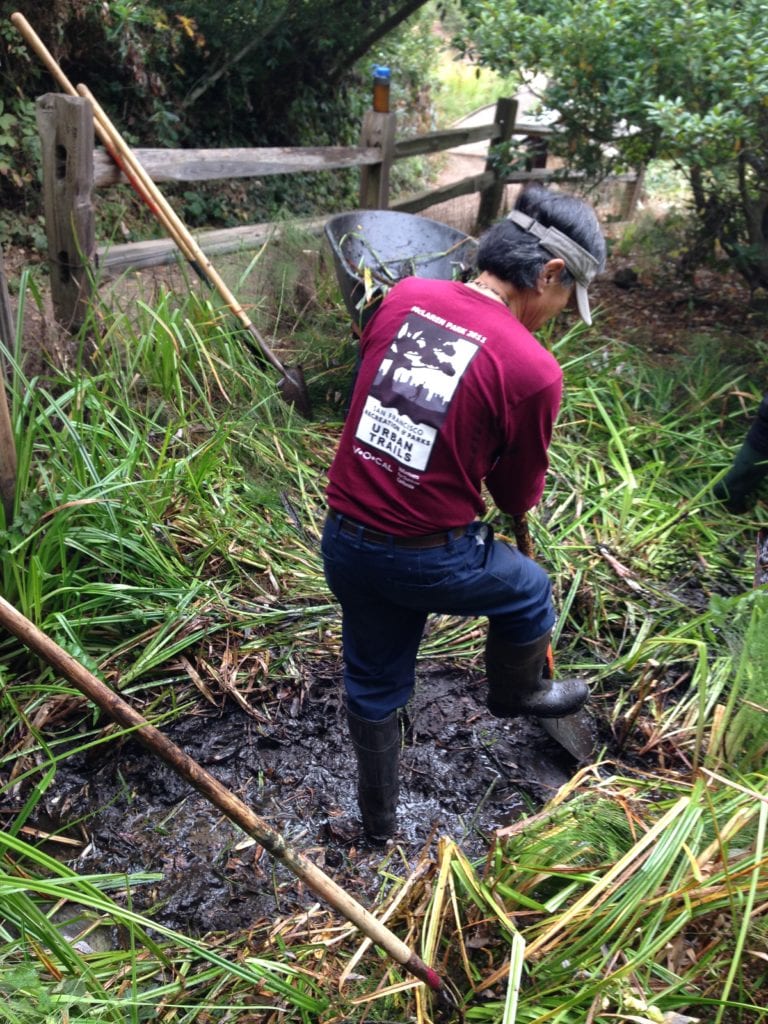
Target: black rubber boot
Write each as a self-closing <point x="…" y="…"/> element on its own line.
<point x="377" y="746"/>
<point x="516" y="683"/>
<point x="749" y="468"/>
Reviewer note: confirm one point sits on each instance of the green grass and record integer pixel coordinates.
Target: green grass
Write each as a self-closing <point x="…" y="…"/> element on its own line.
<point x="167" y="499"/>
<point x="462" y="88"/>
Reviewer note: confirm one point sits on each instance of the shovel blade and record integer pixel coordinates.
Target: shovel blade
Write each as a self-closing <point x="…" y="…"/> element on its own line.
<point x="576" y="733"/>
<point x="293" y="389"/>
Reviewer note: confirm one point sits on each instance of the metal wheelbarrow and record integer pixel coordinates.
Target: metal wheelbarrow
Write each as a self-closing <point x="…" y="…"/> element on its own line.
<point x="374" y="249"/>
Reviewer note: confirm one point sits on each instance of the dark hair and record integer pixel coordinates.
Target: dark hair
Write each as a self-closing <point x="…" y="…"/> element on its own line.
<point x="514" y="255"/>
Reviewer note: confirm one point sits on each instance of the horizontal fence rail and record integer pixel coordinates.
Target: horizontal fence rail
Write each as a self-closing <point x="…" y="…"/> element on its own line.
<point x="452" y="138"/>
<point x="216" y="164"/>
<point x="67" y="141"/>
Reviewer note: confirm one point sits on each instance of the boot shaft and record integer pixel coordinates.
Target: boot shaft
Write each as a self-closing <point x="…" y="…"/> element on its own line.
<point x="517" y="683"/>
<point x="377" y="748"/>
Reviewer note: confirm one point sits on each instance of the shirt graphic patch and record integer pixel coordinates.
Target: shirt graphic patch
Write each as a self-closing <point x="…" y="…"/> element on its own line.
<point x="413" y="387"/>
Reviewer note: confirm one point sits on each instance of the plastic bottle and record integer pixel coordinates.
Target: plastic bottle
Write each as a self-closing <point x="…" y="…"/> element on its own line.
<point x="381" y="80"/>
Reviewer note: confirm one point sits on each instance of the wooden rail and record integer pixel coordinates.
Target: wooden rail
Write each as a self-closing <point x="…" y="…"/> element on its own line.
<point x="211" y="164"/>
<point x="73" y="169"/>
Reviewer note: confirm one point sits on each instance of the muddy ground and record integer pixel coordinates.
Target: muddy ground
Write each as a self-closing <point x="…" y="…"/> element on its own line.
<point x="463" y="774"/>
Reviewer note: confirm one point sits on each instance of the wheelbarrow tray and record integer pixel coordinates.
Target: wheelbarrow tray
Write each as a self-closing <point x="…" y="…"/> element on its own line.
<point x="374" y="249"/>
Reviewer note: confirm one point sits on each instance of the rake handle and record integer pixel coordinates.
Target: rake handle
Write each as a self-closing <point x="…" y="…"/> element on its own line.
<point x="205" y="783"/>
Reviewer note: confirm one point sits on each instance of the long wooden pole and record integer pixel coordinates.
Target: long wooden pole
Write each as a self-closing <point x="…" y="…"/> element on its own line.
<point x="234" y="808"/>
<point x="291" y="384"/>
<point x="130" y="165"/>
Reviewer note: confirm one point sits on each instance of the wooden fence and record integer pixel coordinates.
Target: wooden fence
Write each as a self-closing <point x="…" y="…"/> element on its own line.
<point x="73" y="169"/>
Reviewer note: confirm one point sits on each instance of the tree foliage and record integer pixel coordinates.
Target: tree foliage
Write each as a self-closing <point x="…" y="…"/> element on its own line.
<point x="635" y="80"/>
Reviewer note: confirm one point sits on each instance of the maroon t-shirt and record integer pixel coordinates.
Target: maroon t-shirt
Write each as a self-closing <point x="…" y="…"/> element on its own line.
<point x="452" y="391"/>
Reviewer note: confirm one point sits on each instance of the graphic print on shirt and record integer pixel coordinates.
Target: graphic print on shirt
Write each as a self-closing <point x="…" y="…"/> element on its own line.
<point x="413" y="387"/>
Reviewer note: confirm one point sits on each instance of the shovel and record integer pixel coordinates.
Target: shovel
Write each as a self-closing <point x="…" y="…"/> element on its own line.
<point x="291" y="385"/>
<point x="576" y="732"/>
<point x="237" y="811"/>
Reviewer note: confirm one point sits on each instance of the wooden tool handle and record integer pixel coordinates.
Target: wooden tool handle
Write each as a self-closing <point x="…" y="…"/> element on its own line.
<point x="205" y="783"/>
<point x="525" y="547"/>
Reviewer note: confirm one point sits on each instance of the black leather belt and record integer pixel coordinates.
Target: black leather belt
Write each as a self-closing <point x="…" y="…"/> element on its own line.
<point x="423" y="541"/>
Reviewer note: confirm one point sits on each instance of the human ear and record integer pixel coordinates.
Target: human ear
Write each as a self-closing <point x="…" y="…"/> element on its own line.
<point x="552" y="271"/>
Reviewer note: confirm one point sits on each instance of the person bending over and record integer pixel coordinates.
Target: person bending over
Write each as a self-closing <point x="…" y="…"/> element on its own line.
<point x="453" y="392"/>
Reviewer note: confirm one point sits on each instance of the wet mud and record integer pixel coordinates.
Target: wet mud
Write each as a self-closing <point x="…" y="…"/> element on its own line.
<point x="463" y="774"/>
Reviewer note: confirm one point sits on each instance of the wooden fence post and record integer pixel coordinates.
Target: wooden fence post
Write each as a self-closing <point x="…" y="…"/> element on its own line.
<point x="7" y="443"/>
<point x="491" y="197"/>
<point x="66" y="131"/>
<point x="378" y="130"/>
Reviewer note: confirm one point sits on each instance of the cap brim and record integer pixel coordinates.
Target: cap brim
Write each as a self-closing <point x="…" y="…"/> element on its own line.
<point x="582" y="304"/>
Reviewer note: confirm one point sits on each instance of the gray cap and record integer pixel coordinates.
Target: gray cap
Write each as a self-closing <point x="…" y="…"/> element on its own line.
<point x="581" y="264"/>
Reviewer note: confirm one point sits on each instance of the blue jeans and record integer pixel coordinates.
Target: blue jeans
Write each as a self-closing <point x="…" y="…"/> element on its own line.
<point x="386" y="593"/>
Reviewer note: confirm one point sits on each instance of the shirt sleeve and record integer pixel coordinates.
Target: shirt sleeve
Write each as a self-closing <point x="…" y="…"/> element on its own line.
<point x="516" y="480"/>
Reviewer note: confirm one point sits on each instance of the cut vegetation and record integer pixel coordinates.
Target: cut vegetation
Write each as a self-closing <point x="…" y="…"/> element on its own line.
<point x="165" y="534"/>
